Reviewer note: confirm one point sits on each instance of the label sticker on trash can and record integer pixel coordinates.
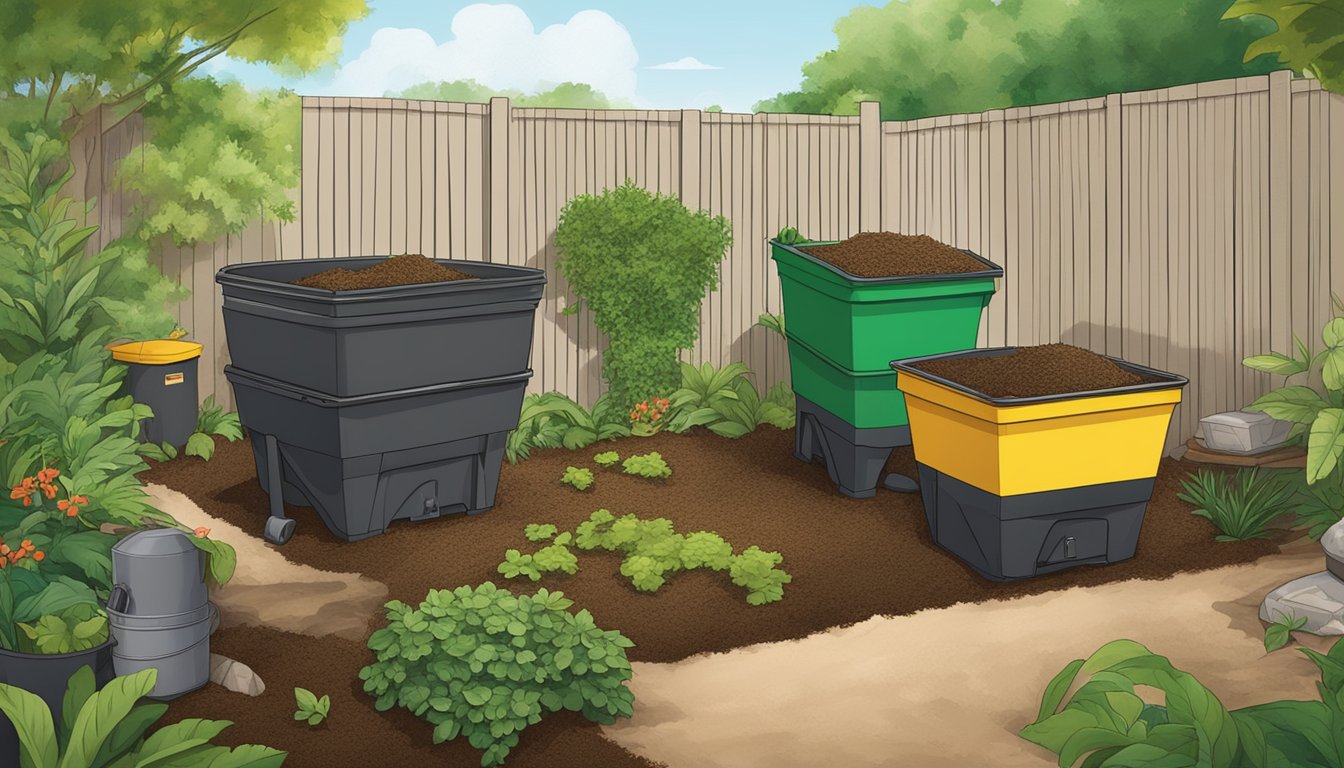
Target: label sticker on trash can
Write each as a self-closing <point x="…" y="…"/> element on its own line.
<point x="170" y="379"/>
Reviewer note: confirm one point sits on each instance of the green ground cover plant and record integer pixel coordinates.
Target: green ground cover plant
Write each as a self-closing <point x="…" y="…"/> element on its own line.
<point x="310" y="708"/>
<point x="1242" y="505"/>
<point x="650" y="465"/>
<point x="484" y="663"/>
<point x="1105" y="723"/>
<point x="581" y="479"/>
<point x="607" y="458"/>
<point x="653" y="552"/>
<point x="1279" y="632"/>
<point x="106" y="729"/>
<point x="641" y="263"/>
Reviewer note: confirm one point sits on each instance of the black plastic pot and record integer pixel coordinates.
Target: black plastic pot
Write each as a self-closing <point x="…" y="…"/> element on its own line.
<point x="377" y="340"/>
<point x="365" y="461"/>
<point x="47" y="675"/>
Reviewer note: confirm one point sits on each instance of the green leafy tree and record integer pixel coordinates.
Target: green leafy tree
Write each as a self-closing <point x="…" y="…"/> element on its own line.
<point x="218" y="156"/>
<point x="564" y="95"/>
<point x="641" y="262"/>
<point x="1309" y="36"/>
<point x="927" y="57"/>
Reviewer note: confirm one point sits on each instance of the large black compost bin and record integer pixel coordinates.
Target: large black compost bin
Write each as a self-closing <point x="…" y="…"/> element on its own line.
<point x="361" y="342"/>
<point x="378" y="404"/>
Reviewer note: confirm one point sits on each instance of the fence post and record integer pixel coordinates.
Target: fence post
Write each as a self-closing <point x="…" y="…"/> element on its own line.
<point x="870" y="166"/>
<point x="497" y="212"/>
<point x="1114" y="209"/>
<point x="1280" y="207"/>
<point x="690" y="158"/>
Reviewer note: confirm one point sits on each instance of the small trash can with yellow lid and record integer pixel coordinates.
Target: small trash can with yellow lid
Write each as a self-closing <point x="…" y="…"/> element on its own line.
<point x="162" y="376"/>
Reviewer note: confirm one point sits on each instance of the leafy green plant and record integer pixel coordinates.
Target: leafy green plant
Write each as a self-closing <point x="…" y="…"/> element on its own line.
<point x="791" y="236"/>
<point x="211" y="420"/>
<point x="484" y="663"/>
<point x="756" y="570"/>
<point x="551" y="420"/>
<point x="646" y="418"/>
<point x="650" y="465"/>
<point x="581" y="479"/>
<point x="1279" y="631"/>
<point x="1105" y="724"/>
<point x="607" y="458"/>
<point x="1309" y="36"/>
<point x="1317" y="506"/>
<point x="654" y="551"/>
<point x="106" y="729"/>
<point x="549" y="559"/>
<point x="78" y="627"/>
<point x="1318" y="415"/>
<point x="539" y="531"/>
<point x="311" y="708"/>
<point x="642" y="263"/>
<point x="1241" y="505"/>
<point x="726" y="402"/>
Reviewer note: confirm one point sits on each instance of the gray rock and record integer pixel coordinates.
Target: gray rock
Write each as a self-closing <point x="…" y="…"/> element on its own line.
<point x="235" y="676"/>
<point x="1318" y="597"/>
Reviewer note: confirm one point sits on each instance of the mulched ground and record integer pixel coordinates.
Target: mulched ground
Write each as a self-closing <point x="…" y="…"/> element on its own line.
<point x="1048" y="369"/>
<point x="850" y="559"/>
<point x="890" y="254"/>
<point x="408" y="269"/>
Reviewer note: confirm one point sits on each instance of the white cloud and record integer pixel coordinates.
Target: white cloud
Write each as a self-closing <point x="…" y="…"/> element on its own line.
<point x="497" y="46"/>
<point x="686" y="63"/>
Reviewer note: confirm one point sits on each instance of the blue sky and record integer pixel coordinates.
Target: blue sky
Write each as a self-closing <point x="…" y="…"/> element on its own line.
<point x="756" y="46"/>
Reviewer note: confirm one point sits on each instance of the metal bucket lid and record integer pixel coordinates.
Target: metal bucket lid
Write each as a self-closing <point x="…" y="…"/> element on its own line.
<point x="156" y="542"/>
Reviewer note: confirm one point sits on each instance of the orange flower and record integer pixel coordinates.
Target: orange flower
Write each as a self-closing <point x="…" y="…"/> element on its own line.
<point x="18" y="555"/>
<point x="27" y="544"/>
<point x="4" y="549"/>
<point x="80" y="499"/>
<point x="19" y="492"/>
<point x="68" y="506"/>
<point x="655" y="416"/>
<point x="3" y="563"/>
<point x="47" y="475"/>
<point x="201" y="532"/>
<point x="643" y="407"/>
<point x="27" y="501"/>
<point x="49" y="490"/>
<point x="39" y="555"/>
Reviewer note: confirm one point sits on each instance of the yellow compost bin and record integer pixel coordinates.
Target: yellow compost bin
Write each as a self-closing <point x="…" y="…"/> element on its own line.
<point x="162" y="375"/>
<point x="1018" y="487"/>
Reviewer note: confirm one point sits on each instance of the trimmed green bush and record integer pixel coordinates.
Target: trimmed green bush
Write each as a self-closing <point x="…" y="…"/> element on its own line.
<point x="484" y="663"/>
<point x="642" y="263"/>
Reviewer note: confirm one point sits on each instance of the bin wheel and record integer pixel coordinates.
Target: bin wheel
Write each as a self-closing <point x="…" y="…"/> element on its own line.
<point x="279" y="530"/>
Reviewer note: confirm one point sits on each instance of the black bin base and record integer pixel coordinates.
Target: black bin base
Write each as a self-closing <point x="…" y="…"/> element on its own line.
<point x="854" y="456"/>
<point x="1016" y="537"/>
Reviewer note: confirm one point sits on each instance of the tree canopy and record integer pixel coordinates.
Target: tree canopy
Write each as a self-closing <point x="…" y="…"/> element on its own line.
<point x="1309" y="37"/>
<point x="928" y="57"/>
<point x="564" y="95"/>
<point x="217" y="156"/>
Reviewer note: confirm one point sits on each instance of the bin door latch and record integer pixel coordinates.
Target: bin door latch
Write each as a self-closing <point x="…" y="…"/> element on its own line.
<point x="1070" y="548"/>
<point x="431" y="507"/>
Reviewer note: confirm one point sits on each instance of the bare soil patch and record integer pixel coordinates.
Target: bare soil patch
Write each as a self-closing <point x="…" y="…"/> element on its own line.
<point x="1049" y="369"/>
<point x="408" y="269"/>
<point x="889" y="254"/>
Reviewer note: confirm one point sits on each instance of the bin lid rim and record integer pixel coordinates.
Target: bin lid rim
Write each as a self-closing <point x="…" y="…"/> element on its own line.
<point x="235" y="275"/>
<point x="993" y="270"/>
<point x="155" y="542"/>
<point x="156" y="351"/>
<point x="1165" y="380"/>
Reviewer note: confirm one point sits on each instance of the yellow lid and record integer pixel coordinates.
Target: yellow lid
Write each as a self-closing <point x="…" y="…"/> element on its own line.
<point x="157" y="352"/>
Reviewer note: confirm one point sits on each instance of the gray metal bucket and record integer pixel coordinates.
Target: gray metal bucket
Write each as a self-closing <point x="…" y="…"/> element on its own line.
<point x="162" y="573"/>
<point x="178" y="646"/>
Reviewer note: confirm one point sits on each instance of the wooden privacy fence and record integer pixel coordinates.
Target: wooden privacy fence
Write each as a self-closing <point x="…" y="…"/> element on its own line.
<point x="1182" y="228"/>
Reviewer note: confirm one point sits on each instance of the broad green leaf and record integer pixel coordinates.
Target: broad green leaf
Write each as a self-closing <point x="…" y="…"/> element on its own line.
<point x="77" y="691"/>
<point x="32" y="721"/>
<point x="1275" y="363"/>
<point x="1296" y="403"/>
<point x="250" y="756"/>
<point x="1333" y="333"/>
<point x="1325" y="444"/>
<point x="1332" y="369"/>
<point x="101" y="714"/>
<point x="305" y="699"/>
<point x="200" y="444"/>
<point x="129" y="732"/>
<point x="1276" y="636"/>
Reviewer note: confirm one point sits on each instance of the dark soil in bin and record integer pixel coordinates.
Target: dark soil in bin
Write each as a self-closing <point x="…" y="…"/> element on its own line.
<point x="408" y="269"/>
<point x="1049" y="369"/>
<point x="888" y="254"/>
<point x="850" y="559"/>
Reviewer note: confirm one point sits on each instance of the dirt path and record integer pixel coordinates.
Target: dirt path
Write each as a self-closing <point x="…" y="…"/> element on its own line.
<point x="950" y="687"/>
<point x="268" y="590"/>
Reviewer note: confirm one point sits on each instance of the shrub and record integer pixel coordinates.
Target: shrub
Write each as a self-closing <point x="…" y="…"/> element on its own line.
<point x="1319" y="415"/>
<point x="484" y="663"/>
<point x="311" y="709"/>
<point x="551" y="420"/>
<point x="653" y="552"/>
<point x="1106" y="723"/>
<point x="607" y="458"/>
<point x="649" y="465"/>
<point x="1241" y="505"/>
<point x="726" y="402"/>
<point x="107" y="728"/>
<point x="581" y="479"/>
<point x="642" y="263"/>
<point x="646" y="418"/>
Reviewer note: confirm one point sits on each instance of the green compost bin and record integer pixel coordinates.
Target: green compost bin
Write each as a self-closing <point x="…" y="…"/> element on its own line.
<point x="843" y="332"/>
